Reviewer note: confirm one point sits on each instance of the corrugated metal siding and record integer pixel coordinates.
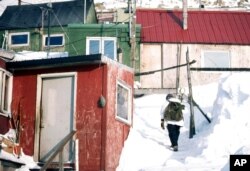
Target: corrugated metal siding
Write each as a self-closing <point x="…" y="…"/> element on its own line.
<point x="215" y="27"/>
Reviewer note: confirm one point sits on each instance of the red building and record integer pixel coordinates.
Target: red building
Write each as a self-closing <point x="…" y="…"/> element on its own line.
<point x="92" y="95"/>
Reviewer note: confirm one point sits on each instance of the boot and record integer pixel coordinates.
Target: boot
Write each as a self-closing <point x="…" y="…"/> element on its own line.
<point x="175" y="148"/>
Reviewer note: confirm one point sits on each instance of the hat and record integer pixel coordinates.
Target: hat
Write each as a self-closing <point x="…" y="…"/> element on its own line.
<point x="175" y="100"/>
<point x="169" y="96"/>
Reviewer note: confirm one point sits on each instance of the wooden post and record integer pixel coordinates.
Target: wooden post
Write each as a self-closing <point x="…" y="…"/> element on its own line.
<point x="203" y="113"/>
<point x="132" y="34"/>
<point x="190" y="99"/>
<point x="178" y="55"/>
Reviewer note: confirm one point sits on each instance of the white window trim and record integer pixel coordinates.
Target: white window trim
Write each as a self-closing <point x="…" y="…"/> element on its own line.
<point x="53" y="35"/>
<point x="218" y="51"/>
<point x="3" y="74"/>
<point x="128" y="88"/>
<point x="101" y="45"/>
<point x="18" y="45"/>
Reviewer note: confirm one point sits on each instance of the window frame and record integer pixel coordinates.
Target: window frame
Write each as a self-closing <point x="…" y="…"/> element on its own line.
<point x="128" y="89"/>
<point x="5" y="102"/>
<point x="101" y="45"/>
<point x="18" y="34"/>
<point x="51" y="36"/>
<point x="203" y="65"/>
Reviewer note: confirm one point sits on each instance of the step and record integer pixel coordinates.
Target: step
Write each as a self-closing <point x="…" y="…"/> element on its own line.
<point x="55" y="167"/>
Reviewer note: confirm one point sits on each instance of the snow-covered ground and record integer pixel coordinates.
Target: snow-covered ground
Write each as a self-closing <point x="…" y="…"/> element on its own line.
<point x="169" y="4"/>
<point x="226" y="103"/>
<point x="114" y="4"/>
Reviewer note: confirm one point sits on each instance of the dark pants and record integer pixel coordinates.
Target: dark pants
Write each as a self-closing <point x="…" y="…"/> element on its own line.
<point x="173" y="133"/>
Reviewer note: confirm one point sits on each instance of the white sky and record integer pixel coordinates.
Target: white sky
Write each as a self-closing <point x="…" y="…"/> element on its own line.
<point x="146" y="148"/>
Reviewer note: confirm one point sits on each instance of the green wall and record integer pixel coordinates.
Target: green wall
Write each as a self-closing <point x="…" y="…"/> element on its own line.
<point x="75" y="39"/>
<point x="79" y="32"/>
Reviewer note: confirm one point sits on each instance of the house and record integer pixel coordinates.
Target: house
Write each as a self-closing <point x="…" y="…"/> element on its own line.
<point x="92" y="95"/>
<point x="62" y="28"/>
<point x="111" y="40"/>
<point x="215" y="39"/>
<point x="43" y="27"/>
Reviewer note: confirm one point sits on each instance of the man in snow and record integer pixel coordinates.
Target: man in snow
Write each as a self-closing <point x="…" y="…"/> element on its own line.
<point x="171" y="112"/>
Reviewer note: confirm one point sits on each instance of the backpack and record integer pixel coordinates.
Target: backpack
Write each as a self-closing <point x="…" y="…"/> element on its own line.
<point x="173" y="112"/>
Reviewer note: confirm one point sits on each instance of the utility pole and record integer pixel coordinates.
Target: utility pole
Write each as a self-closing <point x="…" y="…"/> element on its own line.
<point x="132" y="34"/>
<point x="49" y="13"/>
<point x="84" y="20"/>
<point x="190" y="99"/>
<point x="178" y="55"/>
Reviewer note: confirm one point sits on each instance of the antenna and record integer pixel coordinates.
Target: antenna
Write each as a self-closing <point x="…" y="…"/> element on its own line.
<point x="49" y="5"/>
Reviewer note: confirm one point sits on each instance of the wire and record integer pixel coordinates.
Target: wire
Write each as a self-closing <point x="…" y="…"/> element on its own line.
<point x="64" y="30"/>
<point x="70" y="43"/>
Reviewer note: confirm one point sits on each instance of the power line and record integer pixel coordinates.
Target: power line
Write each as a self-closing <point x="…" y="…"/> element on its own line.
<point x="13" y="26"/>
<point x="63" y="30"/>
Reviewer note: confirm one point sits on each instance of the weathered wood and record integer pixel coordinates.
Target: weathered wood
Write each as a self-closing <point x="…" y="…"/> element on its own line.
<point x="58" y="149"/>
<point x="204" y="114"/>
<point x="190" y="99"/>
<point x="220" y="69"/>
<point x="152" y="72"/>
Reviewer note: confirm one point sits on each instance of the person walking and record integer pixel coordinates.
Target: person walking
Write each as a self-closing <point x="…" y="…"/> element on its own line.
<point x="171" y="113"/>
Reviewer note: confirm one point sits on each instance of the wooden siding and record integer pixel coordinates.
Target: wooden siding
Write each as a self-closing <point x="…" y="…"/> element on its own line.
<point x="89" y="117"/>
<point x="79" y="32"/>
<point x="4" y="121"/>
<point x="238" y="54"/>
<point x="117" y="131"/>
<point x="24" y="105"/>
<point x="101" y="137"/>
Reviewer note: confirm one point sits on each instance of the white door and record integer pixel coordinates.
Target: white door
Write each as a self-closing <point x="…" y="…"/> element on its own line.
<point x="56" y="114"/>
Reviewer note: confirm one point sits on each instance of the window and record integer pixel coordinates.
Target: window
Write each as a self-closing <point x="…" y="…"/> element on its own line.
<point x="5" y="92"/>
<point x="124" y="103"/>
<point x="19" y="39"/>
<point x="55" y="40"/>
<point x="216" y="59"/>
<point x="103" y="45"/>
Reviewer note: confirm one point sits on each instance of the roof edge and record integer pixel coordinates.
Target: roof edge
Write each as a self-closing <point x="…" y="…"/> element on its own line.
<point x="48" y="63"/>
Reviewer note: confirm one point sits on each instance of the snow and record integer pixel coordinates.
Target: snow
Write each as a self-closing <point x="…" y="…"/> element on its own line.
<point x="26" y="161"/>
<point x="31" y="55"/>
<point x="170" y="4"/>
<point x="225" y="102"/>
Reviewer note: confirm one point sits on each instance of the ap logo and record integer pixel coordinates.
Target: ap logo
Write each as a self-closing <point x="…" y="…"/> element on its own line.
<point x="239" y="162"/>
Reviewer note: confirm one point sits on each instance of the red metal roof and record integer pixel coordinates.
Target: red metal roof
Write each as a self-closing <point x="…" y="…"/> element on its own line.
<point x="206" y="27"/>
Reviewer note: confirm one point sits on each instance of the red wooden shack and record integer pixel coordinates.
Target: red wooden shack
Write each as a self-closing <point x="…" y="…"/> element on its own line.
<point x="92" y="95"/>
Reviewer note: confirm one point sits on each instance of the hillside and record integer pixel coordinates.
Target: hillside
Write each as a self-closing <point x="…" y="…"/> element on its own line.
<point x="168" y="4"/>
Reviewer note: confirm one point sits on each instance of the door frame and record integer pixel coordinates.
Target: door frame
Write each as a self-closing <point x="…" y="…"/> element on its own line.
<point x="38" y="105"/>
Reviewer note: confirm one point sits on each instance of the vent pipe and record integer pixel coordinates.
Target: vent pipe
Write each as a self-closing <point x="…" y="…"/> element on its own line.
<point x="185" y="15"/>
<point x="19" y="2"/>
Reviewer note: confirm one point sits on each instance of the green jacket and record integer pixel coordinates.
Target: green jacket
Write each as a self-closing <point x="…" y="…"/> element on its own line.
<point x="173" y="112"/>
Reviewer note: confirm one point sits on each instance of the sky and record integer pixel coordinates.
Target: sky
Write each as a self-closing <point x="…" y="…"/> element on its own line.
<point x="226" y="102"/>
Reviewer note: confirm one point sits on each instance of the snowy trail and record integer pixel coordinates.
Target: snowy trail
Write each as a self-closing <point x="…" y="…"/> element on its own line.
<point x="151" y="141"/>
<point x="227" y="104"/>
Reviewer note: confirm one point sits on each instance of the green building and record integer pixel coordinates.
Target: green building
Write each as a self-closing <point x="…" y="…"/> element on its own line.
<point x="112" y="40"/>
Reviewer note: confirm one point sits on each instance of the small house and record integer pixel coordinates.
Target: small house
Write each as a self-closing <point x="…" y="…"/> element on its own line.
<point x="88" y="97"/>
<point x="216" y="40"/>
<point x="43" y="27"/>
